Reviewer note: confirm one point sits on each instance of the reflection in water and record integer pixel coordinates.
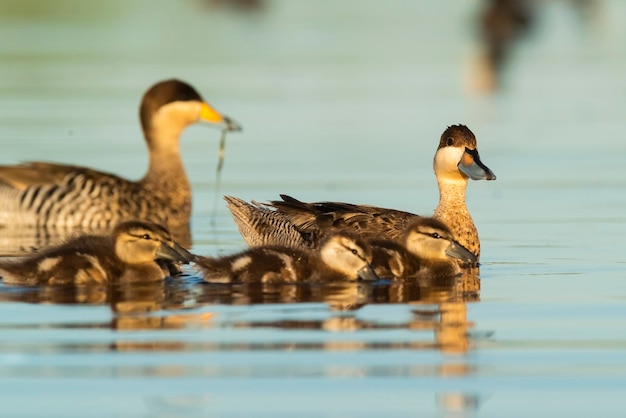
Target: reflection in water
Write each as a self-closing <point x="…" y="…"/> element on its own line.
<point x="177" y="406"/>
<point x="458" y="404"/>
<point x="439" y="309"/>
<point x="133" y="298"/>
<point x="346" y="295"/>
<point x="189" y="318"/>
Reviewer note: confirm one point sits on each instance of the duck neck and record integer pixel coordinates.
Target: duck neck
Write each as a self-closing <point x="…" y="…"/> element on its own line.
<point x="452" y="211"/>
<point x="451" y="196"/>
<point x="166" y="177"/>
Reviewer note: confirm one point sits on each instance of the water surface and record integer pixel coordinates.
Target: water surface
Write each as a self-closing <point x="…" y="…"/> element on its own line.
<point x="339" y="101"/>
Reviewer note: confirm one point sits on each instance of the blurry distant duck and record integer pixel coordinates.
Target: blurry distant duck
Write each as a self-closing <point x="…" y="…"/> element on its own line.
<point x="428" y="250"/>
<point x="129" y="254"/>
<point x="502" y="23"/>
<point x="341" y="256"/>
<point x="54" y="195"/>
<point x="295" y="223"/>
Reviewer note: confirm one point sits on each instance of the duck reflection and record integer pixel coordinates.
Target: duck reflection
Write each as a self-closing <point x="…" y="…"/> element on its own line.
<point x="133" y="305"/>
<point x="459" y="404"/>
<point x="437" y="308"/>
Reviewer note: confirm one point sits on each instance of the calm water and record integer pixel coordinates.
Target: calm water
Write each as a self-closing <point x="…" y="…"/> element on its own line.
<point x="340" y="100"/>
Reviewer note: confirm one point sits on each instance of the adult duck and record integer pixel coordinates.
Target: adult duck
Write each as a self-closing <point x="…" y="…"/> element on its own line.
<point x="49" y="195"/>
<point x="295" y="223"/>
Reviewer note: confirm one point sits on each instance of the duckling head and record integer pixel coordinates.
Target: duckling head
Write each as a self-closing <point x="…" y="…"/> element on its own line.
<point x="430" y="239"/>
<point x="348" y="255"/>
<point x="169" y="106"/>
<point x="143" y="242"/>
<point x="457" y="158"/>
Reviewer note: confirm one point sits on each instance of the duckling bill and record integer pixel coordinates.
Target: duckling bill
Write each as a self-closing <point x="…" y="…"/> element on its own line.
<point x="341" y="256"/>
<point x="132" y="253"/>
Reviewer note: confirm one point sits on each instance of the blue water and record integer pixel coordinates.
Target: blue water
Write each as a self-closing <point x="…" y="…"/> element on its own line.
<point x="339" y="101"/>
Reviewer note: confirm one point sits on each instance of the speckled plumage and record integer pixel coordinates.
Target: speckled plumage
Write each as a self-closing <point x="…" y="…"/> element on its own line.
<point x="130" y="254"/>
<point x="341" y="256"/>
<point x="292" y="222"/>
<point x="52" y="195"/>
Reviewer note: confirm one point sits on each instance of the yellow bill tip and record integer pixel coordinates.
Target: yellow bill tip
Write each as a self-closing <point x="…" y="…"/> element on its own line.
<point x="210" y="115"/>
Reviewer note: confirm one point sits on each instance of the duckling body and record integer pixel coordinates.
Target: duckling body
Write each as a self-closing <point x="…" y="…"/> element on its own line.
<point x="341" y="257"/>
<point x="130" y="254"/>
<point x="50" y="195"/>
<point x="292" y="222"/>
<point x="428" y="250"/>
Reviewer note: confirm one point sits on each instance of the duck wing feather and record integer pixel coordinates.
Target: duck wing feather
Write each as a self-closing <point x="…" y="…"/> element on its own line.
<point x="319" y="218"/>
<point x="23" y="176"/>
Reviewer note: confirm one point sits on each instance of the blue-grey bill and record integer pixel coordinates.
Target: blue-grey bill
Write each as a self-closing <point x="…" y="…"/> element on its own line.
<point x="456" y="250"/>
<point x="174" y="253"/>
<point x="475" y="169"/>
<point x="367" y="273"/>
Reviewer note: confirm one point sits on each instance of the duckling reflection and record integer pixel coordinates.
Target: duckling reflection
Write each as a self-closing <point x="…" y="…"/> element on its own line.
<point x="130" y="254"/>
<point x="439" y="319"/>
<point x="342" y="256"/>
<point x="429" y="251"/>
<point x="295" y="223"/>
<point x="66" y="197"/>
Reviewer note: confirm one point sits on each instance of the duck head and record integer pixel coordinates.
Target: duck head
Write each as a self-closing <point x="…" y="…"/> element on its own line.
<point x="430" y="239"/>
<point x="348" y="255"/>
<point x="169" y="106"/>
<point x="143" y="242"/>
<point x="457" y="157"/>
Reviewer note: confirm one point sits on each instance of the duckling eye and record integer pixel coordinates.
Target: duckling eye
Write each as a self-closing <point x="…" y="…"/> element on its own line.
<point x="145" y="236"/>
<point x="355" y="252"/>
<point x="450" y="141"/>
<point x="435" y="235"/>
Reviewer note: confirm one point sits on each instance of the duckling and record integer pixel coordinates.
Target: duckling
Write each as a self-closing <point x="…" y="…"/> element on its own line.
<point x="130" y="254"/>
<point x="52" y="195"/>
<point x="295" y="223"/>
<point x="341" y="256"/>
<point x="428" y="250"/>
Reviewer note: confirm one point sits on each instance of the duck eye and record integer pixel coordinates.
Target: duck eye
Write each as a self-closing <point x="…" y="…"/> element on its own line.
<point x="355" y="252"/>
<point x="450" y="141"/>
<point x="435" y="235"/>
<point x="145" y="236"/>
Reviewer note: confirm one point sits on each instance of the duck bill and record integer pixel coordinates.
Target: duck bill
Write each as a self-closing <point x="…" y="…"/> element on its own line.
<point x="182" y="251"/>
<point x="456" y="250"/>
<point x="174" y="253"/>
<point x="473" y="168"/>
<point x="367" y="273"/>
<point x="212" y="116"/>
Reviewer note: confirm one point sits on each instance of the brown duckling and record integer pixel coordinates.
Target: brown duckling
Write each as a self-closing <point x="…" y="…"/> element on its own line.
<point x="428" y="250"/>
<point x="341" y="256"/>
<point x="132" y="253"/>
<point x="51" y="195"/>
<point x="295" y="223"/>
